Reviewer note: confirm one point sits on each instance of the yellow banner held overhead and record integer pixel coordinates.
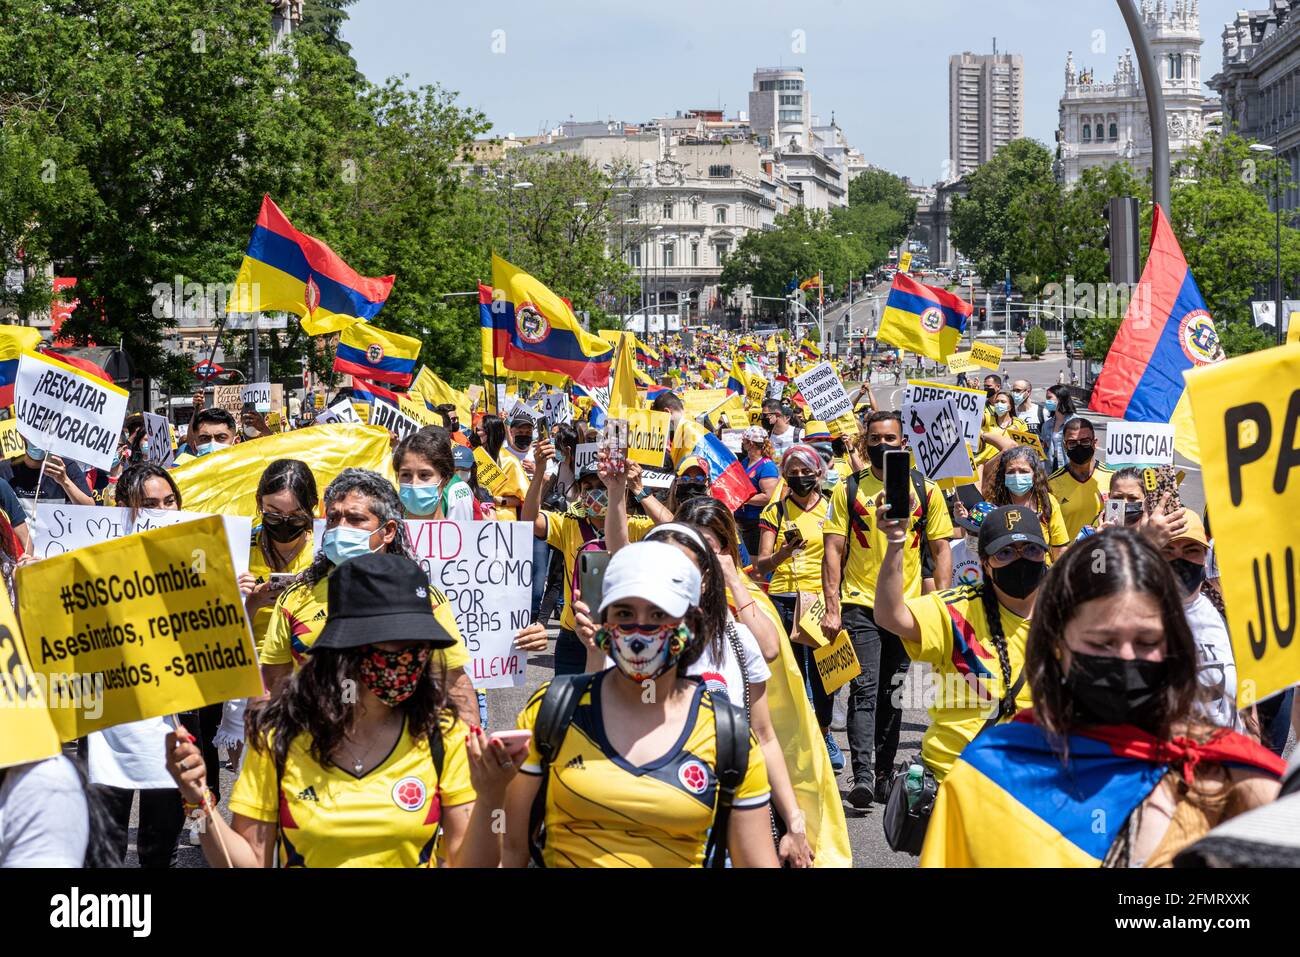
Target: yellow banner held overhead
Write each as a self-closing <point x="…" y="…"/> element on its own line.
<point x="905" y="262"/>
<point x="1247" y="445"/>
<point x="960" y="362"/>
<point x="225" y="482"/>
<point x="983" y="354"/>
<point x="647" y="436"/>
<point x="27" y="731"/>
<point x="139" y="627"/>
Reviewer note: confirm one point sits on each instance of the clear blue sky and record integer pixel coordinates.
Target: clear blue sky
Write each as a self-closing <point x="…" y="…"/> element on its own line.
<point x="882" y="67"/>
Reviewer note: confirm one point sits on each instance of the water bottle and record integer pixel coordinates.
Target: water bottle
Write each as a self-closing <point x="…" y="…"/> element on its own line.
<point x="914" y="784"/>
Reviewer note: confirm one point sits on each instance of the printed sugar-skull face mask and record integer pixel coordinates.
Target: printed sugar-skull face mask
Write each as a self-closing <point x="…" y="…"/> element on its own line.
<point x="643" y="652"/>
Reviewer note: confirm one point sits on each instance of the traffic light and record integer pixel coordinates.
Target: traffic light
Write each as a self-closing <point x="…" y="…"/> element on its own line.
<point x="1121" y="215"/>
<point x="984" y="315"/>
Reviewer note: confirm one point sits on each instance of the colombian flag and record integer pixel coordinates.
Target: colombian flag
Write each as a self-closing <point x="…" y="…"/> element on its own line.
<point x="646" y="356"/>
<point x="14" y="341"/>
<point x="493" y="332"/>
<point x="364" y="391"/>
<point x="376" y="354"/>
<point x="1166" y="330"/>
<point x="923" y="319"/>
<point x="284" y="269"/>
<point x="736" y="382"/>
<point x="809" y="350"/>
<point x="728" y="482"/>
<point x="543" y="334"/>
<point x="1009" y="801"/>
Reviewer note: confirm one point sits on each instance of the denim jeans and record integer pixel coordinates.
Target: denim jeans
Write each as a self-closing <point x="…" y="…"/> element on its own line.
<point x="160" y="823"/>
<point x="541" y="564"/>
<point x="874" y="722"/>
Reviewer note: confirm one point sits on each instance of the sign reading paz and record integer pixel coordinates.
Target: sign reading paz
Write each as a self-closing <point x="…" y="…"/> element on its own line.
<point x="486" y="571"/>
<point x="934" y="432"/>
<point x="824" y="392"/>
<point x="1252" y="489"/>
<point x="68" y="412"/>
<point x="142" y="626"/>
<point x="1139" y="443"/>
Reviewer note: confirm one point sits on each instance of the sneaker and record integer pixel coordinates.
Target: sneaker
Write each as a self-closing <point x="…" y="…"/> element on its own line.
<point x="860" y="796"/>
<point x="837" y="756"/>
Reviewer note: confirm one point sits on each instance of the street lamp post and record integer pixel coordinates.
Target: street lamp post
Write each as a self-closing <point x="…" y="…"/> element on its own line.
<point x="510" y="212"/>
<point x="1277" y="217"/>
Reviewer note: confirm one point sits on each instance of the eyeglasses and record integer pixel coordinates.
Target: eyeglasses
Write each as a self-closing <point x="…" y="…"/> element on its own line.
<point x="1035" y="553"/>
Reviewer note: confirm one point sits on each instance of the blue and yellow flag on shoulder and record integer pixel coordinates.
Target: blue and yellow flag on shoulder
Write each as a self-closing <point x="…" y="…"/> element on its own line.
<point x="923" y="319"/>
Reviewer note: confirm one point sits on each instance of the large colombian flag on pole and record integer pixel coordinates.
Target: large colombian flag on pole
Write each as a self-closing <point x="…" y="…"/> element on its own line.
<point x="923" y="319"/>
<point x="1166" y="331"/>
<point x="376" y="354"/>
<point x="542" y="333"/>
<point x="285" y="269"/>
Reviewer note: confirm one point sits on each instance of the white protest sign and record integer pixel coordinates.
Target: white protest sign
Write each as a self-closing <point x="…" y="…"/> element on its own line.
<point x="394" y="420"/>
<point x="1139" y="443"/>
<point x="656" y="478"/>
<point x="585" y="455"/>
<point x="557" y="409"/>
<point x="969" y="402"/>
<point x="934" y="432"/>
<point x="486" y="571"/>
<point x="501" y="397"/>
<point x="521" y="407"/>
<point x="258" y="393"/>
<point x="601" y="395"/>
<point x="68" y="412"/>
<point x="824" y="392"/>
<point x="159" y="435"/>
<point x="59" y="528"/>
<point x="341" y="411"/>
<point x="731" y="438"/>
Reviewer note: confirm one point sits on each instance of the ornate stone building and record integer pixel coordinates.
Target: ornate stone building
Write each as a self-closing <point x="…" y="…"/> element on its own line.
<point x="1106" y="123"/>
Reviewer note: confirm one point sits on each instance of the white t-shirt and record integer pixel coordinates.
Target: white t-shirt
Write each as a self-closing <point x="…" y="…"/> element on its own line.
<point x="965" y="562"/>
<point x="725" y="674"/>
<point x="781" y="443"/>
<point x="130" y="755"/>
<point x="1030" y="416"/>
<point x="1217" y="671"/>
<point x="460" y="502"/>
<point x="44" y="821"/>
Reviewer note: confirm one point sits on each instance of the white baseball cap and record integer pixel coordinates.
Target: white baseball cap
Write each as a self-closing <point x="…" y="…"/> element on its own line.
<point x="656" y="571"/>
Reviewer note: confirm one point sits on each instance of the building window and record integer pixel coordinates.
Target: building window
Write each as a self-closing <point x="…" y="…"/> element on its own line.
<point x="670" y="255"/>
<point x="791" y="116"/>
<point x="1114" y="132"/>
<point x="695" y="210"/>
<point x="720" y="251"/>
<point x="720" y="171"/>
<point x="695" y="254"/>
<point x="634" y="257"/>
<point x="791" y="99"/>
<point x="1175" y="66"/>
<point x="720" y="214"/>
<point x="668" y="209"/>
<point x="1087" y="132"/>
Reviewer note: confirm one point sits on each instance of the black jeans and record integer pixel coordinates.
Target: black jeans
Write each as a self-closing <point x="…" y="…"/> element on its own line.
<point x="750" y="534"/>
<point x="874" y="722"/>
<point x="161" y="819"/>
<point x="823" y="704"/>
<point x="570" y="654"/>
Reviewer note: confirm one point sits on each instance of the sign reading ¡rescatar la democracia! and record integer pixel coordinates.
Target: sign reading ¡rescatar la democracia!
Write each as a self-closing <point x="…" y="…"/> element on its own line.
<point x="138" y="627"/>
<point x="485" y="569"/>
<point x="1247" y="441"/>
<point x="68" y="412"/>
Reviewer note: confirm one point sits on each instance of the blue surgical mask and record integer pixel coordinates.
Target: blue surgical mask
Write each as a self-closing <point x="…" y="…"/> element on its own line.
<point x="209" y="447"/>
<point x="1018" y="483"/>
<point x="1049" y="405"/>
<point x="1001" y="408"/>
<point x="341" y="543"/>
<point x="420" y="499"/>
<point x="35" y="453"/>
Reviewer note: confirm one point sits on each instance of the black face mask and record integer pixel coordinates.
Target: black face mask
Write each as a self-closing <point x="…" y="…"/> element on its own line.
<point x="1020" y="578"/>
<point x="1190" y="575"/>
<point x="1117" y="691"/>
<point x="802" y="484"/>
<point x="877" y="454"/>
<point x="1080" y="453"/>
<point x="285" y="530"/>
<point x="521" y="440"/>
<point x="1132" y="513"/>
<point x="690" y="490"/>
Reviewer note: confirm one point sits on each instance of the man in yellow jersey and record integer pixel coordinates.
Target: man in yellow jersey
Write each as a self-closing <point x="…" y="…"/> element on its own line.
<point x="853" y="549"/>
<point x="1081" y="487"/>
<point x="362" y="515"/>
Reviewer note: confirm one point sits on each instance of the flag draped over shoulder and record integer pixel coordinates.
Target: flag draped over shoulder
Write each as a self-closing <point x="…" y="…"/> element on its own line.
<point x="1009" y="801"/>
<point x="284" y="269"/>
<point x="376" y="354"/>
<point x="923" y="319"/>
<point x="728" y="482"/>
<point x="1166" y="331"/>
<point x="542" y="332"/>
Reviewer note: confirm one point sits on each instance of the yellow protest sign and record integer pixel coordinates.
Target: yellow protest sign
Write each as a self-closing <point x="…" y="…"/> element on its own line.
<point x="647" y="435"/>
<point x="318" y="401"/>
<point x="150" y="624"/>
<point x="1027" y="438"/>
<point x="26" y="730"/>
<point x="363" y="411"/>
<point x="837" y="662"/>
<point x="224" y="482"/>
<point x="417" y="410"/>
<point x="273" y="421"/>
<point x="1247" y="440"/>
<point x="983" y="354"/>
<point x="905" y="262"/>
<point x="808" y="629"/>
<point x="491" y="475"/>
<point x="844" y="426"/>
<point x="713" y="402"/>
<point x="960" y="362"/>
<point x="11" y="443"/>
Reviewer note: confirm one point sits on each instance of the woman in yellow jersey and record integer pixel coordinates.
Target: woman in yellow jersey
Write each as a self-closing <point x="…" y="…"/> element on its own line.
<point x="973" y="636"/>
<point x="362" y="515"/>
<point x="999" y="418"/>
<point x="634" y="781"/>
<point x="791" y="552"/>
<point x="1018" y="478"/>
<point x="360" y="762"/>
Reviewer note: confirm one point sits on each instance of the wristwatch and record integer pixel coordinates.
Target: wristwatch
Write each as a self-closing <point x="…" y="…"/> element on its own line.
<point x="641" y="495"/>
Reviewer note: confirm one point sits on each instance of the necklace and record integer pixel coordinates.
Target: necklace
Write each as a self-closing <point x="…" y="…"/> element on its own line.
<point x="359" y="763"/>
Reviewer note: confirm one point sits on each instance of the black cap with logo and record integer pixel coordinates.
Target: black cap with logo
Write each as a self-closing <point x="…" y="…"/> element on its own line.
<point x="1009" y="525"/>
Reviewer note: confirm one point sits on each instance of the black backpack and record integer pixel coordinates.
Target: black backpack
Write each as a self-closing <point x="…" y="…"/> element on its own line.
<point x="556" y="714"/>
<point x="855" y="520"/>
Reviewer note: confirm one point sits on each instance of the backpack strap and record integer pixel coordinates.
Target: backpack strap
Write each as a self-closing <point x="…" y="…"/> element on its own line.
<point x="1008" y="701"/>
<point x="731" y="731"/>
<point x="553" y="719"/>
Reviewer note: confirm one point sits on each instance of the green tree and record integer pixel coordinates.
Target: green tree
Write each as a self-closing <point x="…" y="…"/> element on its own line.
<point x="1036" y="341"/>
<point x="769" y="261"/>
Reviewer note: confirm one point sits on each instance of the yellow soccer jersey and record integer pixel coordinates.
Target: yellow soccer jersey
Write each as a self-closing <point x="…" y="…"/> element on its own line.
<point x="867" y="547"/>
<point x="965" y="669"/>
<point x="565" y="533"/>
<point x="300" y="614"/>
<point x="260" y="570"/>
<point x="803" y="572"/>
<point x="329" y="817"/>
<point x="602" y="811"/>
<point x="1081" y="502"/>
